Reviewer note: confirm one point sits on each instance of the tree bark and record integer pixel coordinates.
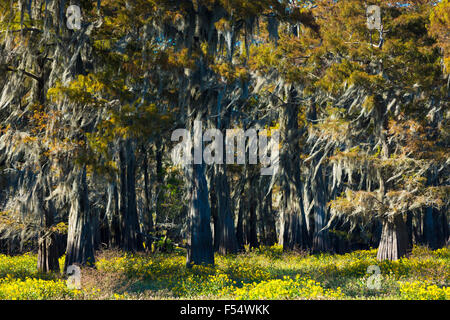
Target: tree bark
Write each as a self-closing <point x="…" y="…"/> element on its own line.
<point x="318" y="185"/>
<point x="200" y="250"/>
<point x="213" y="205"/>
<point x="292" y="226"/>
<point x="80" y="246"/>
<point x="227" y="242"/>
<point x="265" y="214"/>
<point x="241" y="211"/>
<point x="252" y="218"/>
<point x="48" y="252"/>
<point x="113" y="215"/>
<point x="129" y="222"/>
<point x="148" y="218"/>
<point x="394" y="240"/>
<point x="320" y="237"/>
<point x="159" y="195"/>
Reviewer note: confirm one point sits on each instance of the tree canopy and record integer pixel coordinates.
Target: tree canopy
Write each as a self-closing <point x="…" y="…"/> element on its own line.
<point x="86" y="117"/>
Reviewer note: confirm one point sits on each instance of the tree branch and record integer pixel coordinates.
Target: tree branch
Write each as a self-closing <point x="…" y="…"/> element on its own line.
<point x="25" y="73"/>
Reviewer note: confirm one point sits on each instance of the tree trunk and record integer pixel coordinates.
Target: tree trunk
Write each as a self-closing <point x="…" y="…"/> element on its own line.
<point x="148" y="218"/>
<point x="213" y="205"/>
<point x="318" y="185"/>
<point x="320" y="237"/>
<point x="292" y="226"/>
<point x="133" y="240"/>
<point x="130" y="239"/>
<point x="113" y="214"/>
<point x="435" y="228"/>
<point x="241" y="211"/>
<point x="159" y="195"/>
<point x="394" y="239"/>
<point x="48" y="253"/>
<point x="252" y="217"/>
<point x="265" y="214"/>
<point x="199" y="249"/>
<point x="247" y="223"/>
<point x="80" y="246"/>
<point x="227" y="242"/>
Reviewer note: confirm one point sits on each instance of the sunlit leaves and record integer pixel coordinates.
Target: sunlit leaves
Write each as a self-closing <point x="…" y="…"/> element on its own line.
<point x="439" y="28"/>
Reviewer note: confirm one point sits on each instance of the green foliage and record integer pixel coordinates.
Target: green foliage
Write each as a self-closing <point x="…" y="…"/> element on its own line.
<point x="438" y="28"/>
<point x="274" y="252"/>
<point x="163" y="245"/>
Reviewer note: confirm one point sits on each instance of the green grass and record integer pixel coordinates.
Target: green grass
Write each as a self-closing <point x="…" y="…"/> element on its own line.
<point x="265" y="273"/>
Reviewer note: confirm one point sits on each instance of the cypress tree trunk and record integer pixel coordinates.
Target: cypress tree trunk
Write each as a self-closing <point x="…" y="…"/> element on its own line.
<point x="445" y="229"/>
<point x="213" y="205"/>
<point x="270" y="235"/>
<point x="47" y="241"/>
<point x="252" y="221"/>
<point x="435" y="228"/>
<point x="225" y="241"/>
<point x="318" y="185"/>
<point x="103" y="232"/>
<point x="159" y="177"/>
<point x="241" y="210"/>
<point x="122" y="194"/>
<point x="48" y="252"/>
<point x="148" y="218"/>
<point x="252" y="230"/>
<point x="247" y="224"/>
<point x="409" y="228"/>
<point x="394" y="242"/>
<point x="320" y="237"/>
<point x="130" y="239"/>
<point x="394" y="239"/>
<point x="292" y="224"/>
<point x="200" y="97"/>
<point x="430" y="223"/>
<point x="133" y="240"/>
<point x="199" y="249"/>
<point x="265" y="214"/>
<point x="308" y="199"/>
<point x="80" y="246"/>
<point x="226" y="236"/>
<point x="113" y="215"/>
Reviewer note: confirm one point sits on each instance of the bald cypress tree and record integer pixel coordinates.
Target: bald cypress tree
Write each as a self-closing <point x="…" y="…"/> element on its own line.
<point x="377" y="111"/>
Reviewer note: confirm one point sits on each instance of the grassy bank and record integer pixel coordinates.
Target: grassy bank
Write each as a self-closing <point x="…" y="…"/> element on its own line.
<point x="266" y="273"/>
